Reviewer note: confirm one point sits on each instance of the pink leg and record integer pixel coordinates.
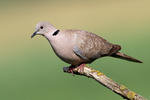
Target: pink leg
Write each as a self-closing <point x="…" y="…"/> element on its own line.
<point x="71" y="69"/>
<point x="81" y="67"/>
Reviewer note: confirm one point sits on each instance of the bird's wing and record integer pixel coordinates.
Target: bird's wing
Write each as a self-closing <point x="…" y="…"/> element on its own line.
<point x="79" y="53"/>
<point x="90" y="46"/>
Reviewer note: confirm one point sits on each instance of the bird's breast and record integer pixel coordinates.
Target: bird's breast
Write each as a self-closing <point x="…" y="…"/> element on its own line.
<point x="63" y="47"/>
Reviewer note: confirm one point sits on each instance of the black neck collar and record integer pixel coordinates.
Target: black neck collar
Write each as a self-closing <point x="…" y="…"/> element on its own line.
<point x="56" y="32"/>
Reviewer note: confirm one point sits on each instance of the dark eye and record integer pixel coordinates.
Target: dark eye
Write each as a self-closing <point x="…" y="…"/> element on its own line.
<point x="41" y="27"/>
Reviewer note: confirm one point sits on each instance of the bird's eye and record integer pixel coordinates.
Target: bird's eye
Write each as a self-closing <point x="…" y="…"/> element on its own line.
<point x="41" y="27"/>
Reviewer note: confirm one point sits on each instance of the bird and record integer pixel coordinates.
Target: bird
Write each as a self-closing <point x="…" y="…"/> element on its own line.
<point x="79" y="47"/>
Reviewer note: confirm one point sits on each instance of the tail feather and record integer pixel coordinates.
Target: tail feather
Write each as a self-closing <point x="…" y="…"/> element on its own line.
<point x="125" y="57"/>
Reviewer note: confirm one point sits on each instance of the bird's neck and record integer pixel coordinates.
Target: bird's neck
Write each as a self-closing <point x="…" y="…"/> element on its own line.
<point x="52" y="35"/>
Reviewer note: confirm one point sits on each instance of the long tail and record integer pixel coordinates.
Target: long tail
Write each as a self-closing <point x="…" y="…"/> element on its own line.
<point x="125" y="57"/>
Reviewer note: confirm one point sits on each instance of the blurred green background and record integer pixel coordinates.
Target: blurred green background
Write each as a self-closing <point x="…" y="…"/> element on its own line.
<point x="29" y="69"/>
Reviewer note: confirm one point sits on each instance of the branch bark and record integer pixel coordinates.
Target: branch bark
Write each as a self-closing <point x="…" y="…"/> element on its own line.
<point x="107" y="82"/>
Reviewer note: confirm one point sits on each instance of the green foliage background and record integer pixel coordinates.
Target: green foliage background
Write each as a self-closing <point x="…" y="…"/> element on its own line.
<point x="29" y="69"/>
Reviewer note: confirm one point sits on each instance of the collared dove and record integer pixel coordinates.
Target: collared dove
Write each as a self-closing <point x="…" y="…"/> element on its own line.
<point x="78" y="47"/>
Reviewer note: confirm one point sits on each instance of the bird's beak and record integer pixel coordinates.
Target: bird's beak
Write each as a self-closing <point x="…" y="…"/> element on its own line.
<point x="34" y="34"/>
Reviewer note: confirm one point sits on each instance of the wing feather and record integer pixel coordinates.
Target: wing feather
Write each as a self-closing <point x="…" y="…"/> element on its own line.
<point x="91" y="46"/>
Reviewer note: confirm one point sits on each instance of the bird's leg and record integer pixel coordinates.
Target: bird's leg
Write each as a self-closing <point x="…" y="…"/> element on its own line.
<point x="81" y="67"/>
<point x="71" y="69"/>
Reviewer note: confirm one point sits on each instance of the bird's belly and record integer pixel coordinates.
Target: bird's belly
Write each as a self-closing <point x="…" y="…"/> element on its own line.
<point x="66" y="54"/>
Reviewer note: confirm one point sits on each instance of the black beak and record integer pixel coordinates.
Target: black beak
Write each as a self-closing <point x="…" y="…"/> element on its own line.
<point x="33" y="34"/>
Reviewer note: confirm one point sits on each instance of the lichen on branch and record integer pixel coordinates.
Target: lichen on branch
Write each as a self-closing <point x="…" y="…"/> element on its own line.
<point x="107" y="82"/>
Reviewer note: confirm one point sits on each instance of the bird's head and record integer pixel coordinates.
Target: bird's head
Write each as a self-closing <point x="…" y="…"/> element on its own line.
<point x="44" y="28"/>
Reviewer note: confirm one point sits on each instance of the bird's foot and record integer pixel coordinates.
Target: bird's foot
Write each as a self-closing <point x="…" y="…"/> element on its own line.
<point x="71" y="70"/>
<point x="81" y="67"/>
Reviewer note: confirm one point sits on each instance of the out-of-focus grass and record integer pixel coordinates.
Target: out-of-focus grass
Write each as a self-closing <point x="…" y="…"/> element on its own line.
<point x="29" y="70"/>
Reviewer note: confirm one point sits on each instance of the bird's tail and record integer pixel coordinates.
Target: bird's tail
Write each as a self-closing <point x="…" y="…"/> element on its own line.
<point x="125" y="57"/>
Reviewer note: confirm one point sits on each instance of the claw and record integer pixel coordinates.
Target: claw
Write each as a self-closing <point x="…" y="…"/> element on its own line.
<point x="71" y="69"/>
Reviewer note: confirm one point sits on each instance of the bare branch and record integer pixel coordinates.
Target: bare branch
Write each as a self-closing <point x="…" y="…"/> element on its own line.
<point x="107" y="82"/>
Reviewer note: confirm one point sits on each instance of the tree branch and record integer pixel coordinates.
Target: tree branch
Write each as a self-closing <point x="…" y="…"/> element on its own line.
<point x="107" y="82"/>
